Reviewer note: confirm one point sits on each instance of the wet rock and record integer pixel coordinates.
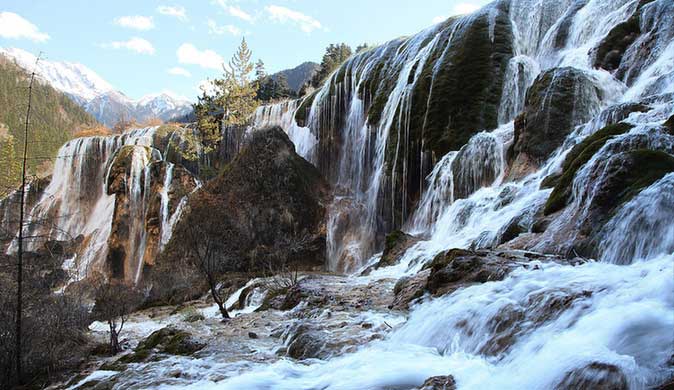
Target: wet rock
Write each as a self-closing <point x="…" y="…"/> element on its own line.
<point x="171" y="341"/>
<point x="559" y="100"/>
<point x="252" y="335"/>
<point x="439" y="383"/>
<point x="575" y="159"/>
<point x="408" y="289"/>
<point x="397" y="243"/>
<point x="611" y="182"/>
<point x="458" y="268"/>
<point x="599" y="376"/>
<point x="669" y="124"/>
<point x="305" y="342"/>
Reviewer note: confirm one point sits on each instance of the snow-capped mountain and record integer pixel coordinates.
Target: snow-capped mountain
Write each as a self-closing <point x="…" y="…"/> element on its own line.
<point x="97" y="96"/>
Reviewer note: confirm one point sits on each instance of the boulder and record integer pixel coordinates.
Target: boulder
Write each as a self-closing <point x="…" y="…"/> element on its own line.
<point x="558" y="101"/>
<point x="171" y="341"/>
<point x="305" y="342"/>
<point x="397" y="243"/>
<point x="575" y="159"/>
<point x="408" y="289"/>
<point x="599" y="376"/>
<point x="439" y="383"/>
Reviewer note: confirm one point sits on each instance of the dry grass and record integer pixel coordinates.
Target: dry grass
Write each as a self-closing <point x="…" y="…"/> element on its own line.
<point x="96" y="130"/>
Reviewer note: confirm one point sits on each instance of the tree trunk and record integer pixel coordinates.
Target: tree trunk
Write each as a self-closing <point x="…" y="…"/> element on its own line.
<point x="218" y="301"/>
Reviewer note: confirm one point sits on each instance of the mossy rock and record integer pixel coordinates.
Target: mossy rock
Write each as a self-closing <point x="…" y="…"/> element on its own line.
<point x="113" y="366"/>
<point x="302" y="113"/>
<point x="396" y="243"/>
<point x="168" y="340"/>
<point x="647" y="167"/>
<point x="137" y="356"/>
<point x="577" y="157"/>
<point x="558" y="100"/>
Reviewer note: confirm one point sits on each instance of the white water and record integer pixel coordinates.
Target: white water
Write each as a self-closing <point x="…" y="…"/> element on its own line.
<point x="618" y="311"/>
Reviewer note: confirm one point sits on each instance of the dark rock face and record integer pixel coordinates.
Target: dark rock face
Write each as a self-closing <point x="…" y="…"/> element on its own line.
<point x="598" y="376"/>
<point x="439" y="383"/>
<point x="266" y="209"/>
<point x="559" y="100"/>
<point x="397" y="243"/>
<point x="626" y="49"/>
<point x="9" y="213"/>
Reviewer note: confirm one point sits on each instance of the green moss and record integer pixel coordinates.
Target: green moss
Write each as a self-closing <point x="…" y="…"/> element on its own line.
<point x="649" y="166"/>
<point x="135" y="357"/>
<point x="167" y="130"/>
<point x="302" y="112"/>
<point x="167" y="340"/>
<point x="577" y="157"/>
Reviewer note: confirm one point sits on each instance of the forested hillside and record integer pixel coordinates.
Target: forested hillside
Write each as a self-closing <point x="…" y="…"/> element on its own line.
<point x="54" y="120"/>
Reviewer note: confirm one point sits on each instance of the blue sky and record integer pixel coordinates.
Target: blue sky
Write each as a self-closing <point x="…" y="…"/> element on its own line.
<point x="146" y="46"/>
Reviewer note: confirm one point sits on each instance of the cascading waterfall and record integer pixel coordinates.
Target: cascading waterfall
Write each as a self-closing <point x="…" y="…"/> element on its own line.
<point x="76" y="201"/>
<point x="515" y="334"/>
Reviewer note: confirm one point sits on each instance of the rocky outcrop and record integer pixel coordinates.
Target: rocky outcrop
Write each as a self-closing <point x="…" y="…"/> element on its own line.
<point x="559" y="100"/>
<point x="264" y="212"/>
<point x="626" y="49"/>
<point x="600" y="376"/>
<point x="459" y="268"/>
<point x="397" y="243"/>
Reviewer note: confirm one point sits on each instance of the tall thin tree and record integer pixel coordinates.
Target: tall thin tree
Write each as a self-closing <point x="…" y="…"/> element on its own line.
<point x="19" y="263"/>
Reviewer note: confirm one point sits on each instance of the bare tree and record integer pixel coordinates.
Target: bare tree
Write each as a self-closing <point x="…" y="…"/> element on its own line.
<point x="115" y="301"/>
<point x="281" y="265"/>
<point x="206" y="255"/>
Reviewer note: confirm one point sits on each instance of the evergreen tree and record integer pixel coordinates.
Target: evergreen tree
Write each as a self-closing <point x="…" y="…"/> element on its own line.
<point x="233" y="100"/>
<point x="334" y="56"/>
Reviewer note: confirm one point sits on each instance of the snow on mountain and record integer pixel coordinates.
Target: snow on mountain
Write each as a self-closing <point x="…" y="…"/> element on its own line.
<point x="97" y="96"/>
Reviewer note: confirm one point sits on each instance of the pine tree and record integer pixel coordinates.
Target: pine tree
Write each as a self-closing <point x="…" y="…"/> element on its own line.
<point x="237" y="91"/>
<point x="232" y="102"/>
<point x="334" y="56"/>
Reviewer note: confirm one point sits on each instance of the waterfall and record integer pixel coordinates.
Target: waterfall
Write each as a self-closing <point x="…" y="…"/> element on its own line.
<point x="77" y="202"/>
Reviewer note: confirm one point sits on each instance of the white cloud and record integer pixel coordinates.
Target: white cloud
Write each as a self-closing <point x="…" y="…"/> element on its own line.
<point x="285" y="15"/>
<point x="178" y="71"/>
<point x="139" y="45"/>
<point x="235" y="11"/>
<point x="135" y="22"/>
<point x="214" y="29"/>
<point x="15" y="27"/>
<point x="175" y="11"/>
<point x="189" y="54"/>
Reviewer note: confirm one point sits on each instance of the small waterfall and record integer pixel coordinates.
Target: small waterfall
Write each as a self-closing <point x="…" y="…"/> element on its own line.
<point x="166" y="228"/>
<point x="629" y="235"/>
<point x="283" y="115"/>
